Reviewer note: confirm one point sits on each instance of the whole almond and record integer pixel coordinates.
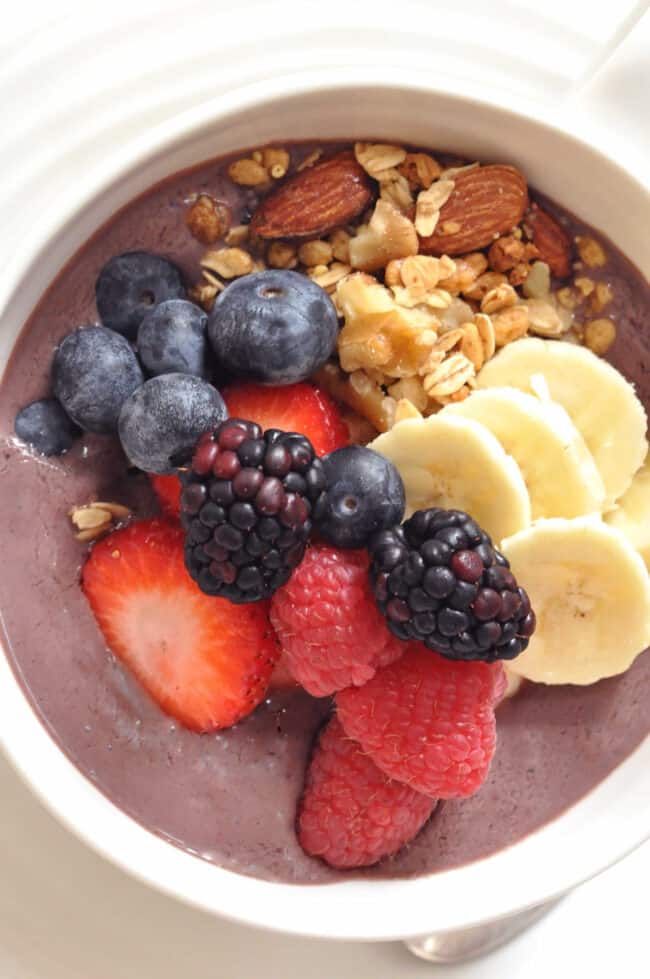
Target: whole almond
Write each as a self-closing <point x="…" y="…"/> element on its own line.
<point x="551" y="240"/>
<point x="485" y="202"/>
<point x="316" y="201"/>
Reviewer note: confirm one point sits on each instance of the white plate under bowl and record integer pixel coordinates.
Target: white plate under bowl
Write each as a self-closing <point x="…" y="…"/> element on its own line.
<point x="612" y="819"/>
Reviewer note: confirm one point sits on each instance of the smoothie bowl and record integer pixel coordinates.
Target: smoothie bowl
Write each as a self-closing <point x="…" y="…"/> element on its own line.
<point x="325" y="602"/>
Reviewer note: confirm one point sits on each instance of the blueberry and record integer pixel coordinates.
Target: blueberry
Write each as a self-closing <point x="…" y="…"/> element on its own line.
<point x="45" y="426"/>
<point x="171" y="338"/>
<point x="277" y="327"/>
<point x="364" y="494"/>
<point x="93" y="373"/>
<point x="163" y="419"/>
<point x="130" y="284"/>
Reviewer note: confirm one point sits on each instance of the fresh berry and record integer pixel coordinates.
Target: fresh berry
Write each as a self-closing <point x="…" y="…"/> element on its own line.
<point x="276" y="326"/>
<point x="351" y="814"/>
<point x="293" y="408"/>
<point x="438" y="579"/>
<point x="130" y="284"/>
<point x="168" y="491"/>
<point x="364" y="494"/>
<point x="328" y="625"/>
<point x="202" y="661"/>
<point x="427" y="721"/>
<point x="93" y="373"/>
<point x="172" y="340"/>
<point x="45" y="426"/>
<point x="161" y="422"/>
<point x="246" y="506"/>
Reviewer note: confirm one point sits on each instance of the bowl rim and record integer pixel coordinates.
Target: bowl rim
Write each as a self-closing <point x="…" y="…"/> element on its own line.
<point x="402" y="910"/>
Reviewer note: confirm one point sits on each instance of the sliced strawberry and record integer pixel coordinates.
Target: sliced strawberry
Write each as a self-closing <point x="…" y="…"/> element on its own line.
<point x="295" y="408"/>
<point x="168" y="491"/>
<point x="203" y="660"/>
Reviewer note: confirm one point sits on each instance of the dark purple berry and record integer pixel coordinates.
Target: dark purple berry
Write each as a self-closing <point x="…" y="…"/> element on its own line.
<point x="462" y="599"/>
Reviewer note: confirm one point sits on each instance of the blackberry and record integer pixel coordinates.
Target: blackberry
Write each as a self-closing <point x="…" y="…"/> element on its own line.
<point x="439" y="579"/>
<point x="246" y="508"/>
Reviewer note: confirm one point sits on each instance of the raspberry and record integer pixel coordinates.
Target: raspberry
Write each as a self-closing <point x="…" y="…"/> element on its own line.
<point x="350" y="814"/>
<point x="427" y="721"/>
<point x="331" y="631"/>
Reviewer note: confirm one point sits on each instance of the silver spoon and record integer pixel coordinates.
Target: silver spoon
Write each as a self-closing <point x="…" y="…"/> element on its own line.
<point x="449" y="947"/>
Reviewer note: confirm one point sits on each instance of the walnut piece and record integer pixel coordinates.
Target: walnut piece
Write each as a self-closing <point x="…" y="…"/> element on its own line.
<point x="388" y="235"/>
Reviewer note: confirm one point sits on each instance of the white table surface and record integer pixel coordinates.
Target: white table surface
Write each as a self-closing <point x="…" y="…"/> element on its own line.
<point x="64" y="912"/>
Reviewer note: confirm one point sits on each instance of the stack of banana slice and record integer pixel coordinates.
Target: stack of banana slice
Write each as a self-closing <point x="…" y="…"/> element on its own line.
<point x="547" y="455"/>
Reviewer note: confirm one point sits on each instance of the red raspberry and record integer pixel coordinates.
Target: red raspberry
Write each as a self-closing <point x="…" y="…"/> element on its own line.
<point x="427" y="721"/>
<point x="332" y="633"/>
<point x="350" y="814"/>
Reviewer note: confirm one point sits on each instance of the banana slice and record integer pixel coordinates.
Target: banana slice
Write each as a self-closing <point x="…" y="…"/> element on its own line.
<point x="632" y="514"/>
<point x="557" y="467"/>
<point x="591" y="593"/>
<point x="600" y="402"/>
<point x="457" y="463"/>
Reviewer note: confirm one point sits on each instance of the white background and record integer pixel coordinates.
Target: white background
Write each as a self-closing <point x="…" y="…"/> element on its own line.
<point x="75" y="80"/>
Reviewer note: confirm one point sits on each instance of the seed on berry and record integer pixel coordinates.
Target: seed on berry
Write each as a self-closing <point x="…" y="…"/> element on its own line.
<point x="439" y="582"/>
<point x="510" y="606"/>
<point x="243" y="516"/>
<point x="294" y="483"/>
<point x="294" y="511"/>
<point x="212" y="515"/>
<point x="229" y="537"/>
<point x="498" y="577"/>
<point x="204" y="457"/>
<point x="233" y="437"/>
<point x="193" y="498"/>
<point x="226" y="465"/>
<point x="436" y="552"/>
<point x="527" y="625"/>
<point x="247" y="482"/>
<point x="421" y="602"/>
<point x="451" y="622"/>
<point x="277" y="460"/>
<point x="488" y="634"/>
<point x="462" y="596"/>
<point x="222" y="492"/>
<point x="270" y="497"/>
<point x="467" y="566"/>
<point x="487" y="605"/>
<point x="454" y="536"/>
<point x="225" y="571"/>
<point x="251" y="452"/>
<point x="398" y="610"/>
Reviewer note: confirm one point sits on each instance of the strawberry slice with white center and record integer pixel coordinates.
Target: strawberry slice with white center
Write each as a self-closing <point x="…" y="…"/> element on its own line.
<point x="203" y="660"/>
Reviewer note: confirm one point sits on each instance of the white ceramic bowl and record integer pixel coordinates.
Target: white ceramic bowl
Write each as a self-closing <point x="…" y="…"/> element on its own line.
<point x="615" y="817"/>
